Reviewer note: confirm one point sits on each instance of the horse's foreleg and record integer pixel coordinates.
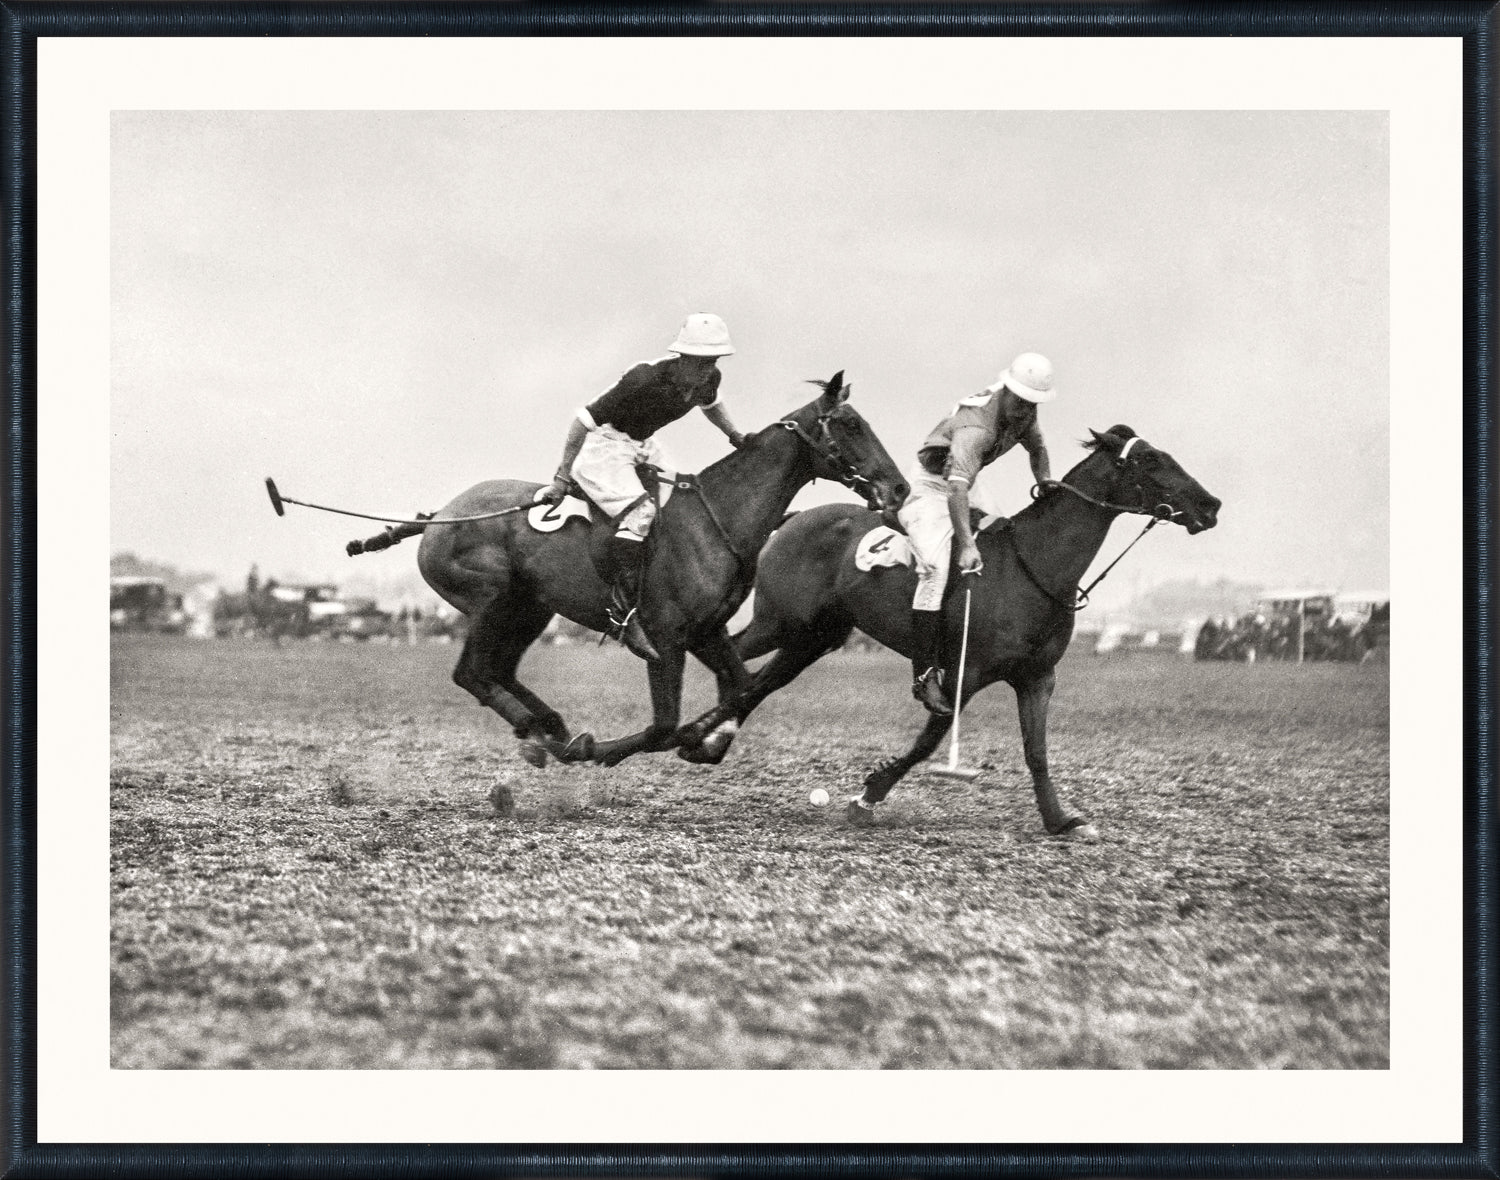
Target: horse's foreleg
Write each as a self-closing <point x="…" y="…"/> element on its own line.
<point x="1032" y="698"/>
<point x="666" y="707"/>
<point x="878" y="782"/>
<point x="718" y="654"/>
<point x="719" y="728"/>
<point x="763" y="636"/>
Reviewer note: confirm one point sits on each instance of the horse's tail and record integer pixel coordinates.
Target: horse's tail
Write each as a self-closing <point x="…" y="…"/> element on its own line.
<point x="393" y="535"/>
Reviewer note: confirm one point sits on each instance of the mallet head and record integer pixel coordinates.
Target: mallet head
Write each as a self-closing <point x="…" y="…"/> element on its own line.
<point x="966" y="774"/>
<point x="275" y="496"/>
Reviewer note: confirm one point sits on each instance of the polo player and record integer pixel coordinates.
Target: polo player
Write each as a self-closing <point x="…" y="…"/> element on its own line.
<point x="980" y="429"/>
<point x="615" y="432"/>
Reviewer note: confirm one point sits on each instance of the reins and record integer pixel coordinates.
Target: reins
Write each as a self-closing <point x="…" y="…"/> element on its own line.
<point x="1081" y="594"/>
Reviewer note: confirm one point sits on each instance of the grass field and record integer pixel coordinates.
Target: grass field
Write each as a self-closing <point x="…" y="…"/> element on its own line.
<point x="308" y="872"/>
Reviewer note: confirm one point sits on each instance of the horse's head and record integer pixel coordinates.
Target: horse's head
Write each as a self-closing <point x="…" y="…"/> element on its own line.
<point x="1140" y="478"/>
<point x="843" y="447"/>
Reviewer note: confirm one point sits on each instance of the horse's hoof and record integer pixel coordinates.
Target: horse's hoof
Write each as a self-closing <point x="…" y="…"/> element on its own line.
<point x="716" y="744"/>
<point x="533" y="753"/>
<point x="699" y="754"/>
<point x="580" y="749"/>
<point x="859" y="815"/>
<point x="1079" y="831"/>
<point x="610" y="755"/>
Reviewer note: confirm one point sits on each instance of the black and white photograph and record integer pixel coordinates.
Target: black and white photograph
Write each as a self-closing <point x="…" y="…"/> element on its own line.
<point x="822" y="423"/>
<point x="839" y="589"/>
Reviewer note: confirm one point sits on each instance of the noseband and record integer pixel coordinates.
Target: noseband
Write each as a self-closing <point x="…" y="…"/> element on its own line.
<point x="828" y="450"/>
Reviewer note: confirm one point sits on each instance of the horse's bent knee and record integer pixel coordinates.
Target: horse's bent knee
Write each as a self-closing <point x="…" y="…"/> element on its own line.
<point x="469" y="683"/>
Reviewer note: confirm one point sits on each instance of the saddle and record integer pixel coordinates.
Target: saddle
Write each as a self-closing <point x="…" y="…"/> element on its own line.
<point x="883" y="546"/>
<point x="658" y="482"/>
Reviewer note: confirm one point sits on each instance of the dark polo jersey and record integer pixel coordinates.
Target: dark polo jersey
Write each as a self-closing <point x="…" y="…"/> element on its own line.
<point x="652" y="395"/>
<point x="976" y="434"/>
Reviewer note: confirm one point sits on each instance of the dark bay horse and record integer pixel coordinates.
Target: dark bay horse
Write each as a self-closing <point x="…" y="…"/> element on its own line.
<point x="510" y="579"/>
<point x="809" y="596"/>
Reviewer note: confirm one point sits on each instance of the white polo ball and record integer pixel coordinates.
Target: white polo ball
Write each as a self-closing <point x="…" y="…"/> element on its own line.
<point x="818" y="797"/>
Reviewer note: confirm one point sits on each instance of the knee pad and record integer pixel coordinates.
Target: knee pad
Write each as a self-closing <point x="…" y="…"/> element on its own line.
<point x="930" y="587"/>
<point x="638" y="520"/>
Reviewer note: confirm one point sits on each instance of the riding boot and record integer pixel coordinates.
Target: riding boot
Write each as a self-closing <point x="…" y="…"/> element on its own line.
<point x="927" y="661"/>
<point x="628" y="558"/>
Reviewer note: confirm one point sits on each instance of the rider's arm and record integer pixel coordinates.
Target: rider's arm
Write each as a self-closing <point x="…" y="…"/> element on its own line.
<point x="578" y="430"/>
<point x="719" y="416"/>
<point x="958" y="512"/>
<point x="965" y="460"/>
<point x="1041" y="469"/>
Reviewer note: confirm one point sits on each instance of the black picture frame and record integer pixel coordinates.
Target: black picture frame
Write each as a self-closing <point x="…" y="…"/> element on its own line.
<point x="25" y="22"/>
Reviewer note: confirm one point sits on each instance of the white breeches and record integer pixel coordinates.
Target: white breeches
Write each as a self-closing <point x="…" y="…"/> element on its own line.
<point x="929" y="528"/>
<point x="605" y="470"/>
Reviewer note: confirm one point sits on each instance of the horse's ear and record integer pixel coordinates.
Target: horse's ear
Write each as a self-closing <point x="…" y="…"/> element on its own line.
<point x="835" y="392"/>
<point x="1112" y="439"/>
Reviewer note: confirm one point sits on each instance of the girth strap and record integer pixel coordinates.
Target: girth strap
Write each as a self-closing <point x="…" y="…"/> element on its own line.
<point x="689" y="483"/>
<point x="653" y="477"/>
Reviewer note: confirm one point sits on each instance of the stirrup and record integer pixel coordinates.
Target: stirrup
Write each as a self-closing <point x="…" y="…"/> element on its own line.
<point x="627" y="629"/>
<point x="927" y="687"/>
<point x="617" y="610"/>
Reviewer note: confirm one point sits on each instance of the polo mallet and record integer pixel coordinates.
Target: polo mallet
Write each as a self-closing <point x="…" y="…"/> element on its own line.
<point x="278" y="501"/>
<point x="953" y="769"/>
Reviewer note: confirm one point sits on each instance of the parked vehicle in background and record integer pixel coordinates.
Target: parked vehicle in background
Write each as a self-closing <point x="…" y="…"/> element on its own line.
<point x="1302" y="626"/>
<point x="140" y="603"/>
<point x="358" y="619"/>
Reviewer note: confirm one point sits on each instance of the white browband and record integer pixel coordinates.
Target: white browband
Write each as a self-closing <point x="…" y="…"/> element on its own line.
<point x="1125" y="450"/>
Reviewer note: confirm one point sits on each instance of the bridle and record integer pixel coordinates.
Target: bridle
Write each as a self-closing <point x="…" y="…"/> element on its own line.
<point x="828" y="450"/>
<point x="825" y="448"/>
<point x="1162" y="511"/>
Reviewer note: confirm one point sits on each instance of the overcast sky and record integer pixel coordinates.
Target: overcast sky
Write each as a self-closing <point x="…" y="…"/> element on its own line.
<point x="380" y="309"/>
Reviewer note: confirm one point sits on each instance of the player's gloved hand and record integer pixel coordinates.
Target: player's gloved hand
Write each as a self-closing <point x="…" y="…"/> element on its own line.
<point x="736" y="440"/>
<point x="969" y="561"/>
<point x="553" y="493"/>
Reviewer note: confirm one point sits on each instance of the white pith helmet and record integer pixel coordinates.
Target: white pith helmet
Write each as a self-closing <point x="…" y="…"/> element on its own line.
<point x="703" y="334"/>
<point x="1030" y="377"/>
